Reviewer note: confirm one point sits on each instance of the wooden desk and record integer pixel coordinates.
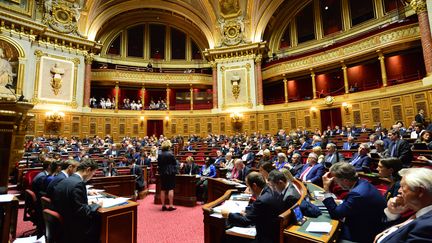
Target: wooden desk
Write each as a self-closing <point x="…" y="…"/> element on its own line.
<point x="119" y="223"/>
<point x="8" y="223"/>
<point x="218" y="186"/>
<point x="184" y="192"/>
<point x="122" y="186"/>
<point x="296" y="233"/>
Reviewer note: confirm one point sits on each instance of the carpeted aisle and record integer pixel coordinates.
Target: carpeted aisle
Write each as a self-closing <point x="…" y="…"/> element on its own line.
<point x="184" y="225"/>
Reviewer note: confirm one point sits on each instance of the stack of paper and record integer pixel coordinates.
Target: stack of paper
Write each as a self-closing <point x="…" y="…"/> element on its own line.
<point x="232" y="206"/>
<point x="111" y="202"/>
<point x="319" y="227"/>
<point x="6" y="197"/>
<point x="250" y="231"/>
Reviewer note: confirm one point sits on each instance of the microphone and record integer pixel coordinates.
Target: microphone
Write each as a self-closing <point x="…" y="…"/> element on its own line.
<point x="9" y="87"/>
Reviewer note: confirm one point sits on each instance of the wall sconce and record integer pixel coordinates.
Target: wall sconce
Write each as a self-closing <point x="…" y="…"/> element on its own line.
<point x="236" y="117"/>
<point x="54" y="116"/>
<point x="142" y="121"/>
<point x="167" y="118"/>
<point x="53" y="121"/>
<point x="313" y="110"/>
<point x="346" y="107"/>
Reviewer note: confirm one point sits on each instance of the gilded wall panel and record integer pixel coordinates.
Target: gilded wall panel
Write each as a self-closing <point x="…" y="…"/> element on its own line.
<point x="407" y="100"/>
<point x="357" y="118"/>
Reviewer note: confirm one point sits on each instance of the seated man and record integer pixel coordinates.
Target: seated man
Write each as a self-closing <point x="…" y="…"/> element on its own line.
<point x="349" y="144"/>
<point x="263" y="213"/>
<point x="361" y="158"/>
<point x="362" y="208"/>
<point x="191" y="168"/>
<point x="416" y="195"/>
<point x="68" y="168"/>
<point x="332" y="156"/>
<point x="312" y="171"/>
<point x="288" y="193"/>
<point x="80" y="220"/>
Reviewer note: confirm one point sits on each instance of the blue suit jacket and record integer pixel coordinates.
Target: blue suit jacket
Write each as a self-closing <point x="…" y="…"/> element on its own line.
<point x="51" y="186"/>
<point x="363" y="209"/>
<point x="418" y="230"/>
<point x="346" y="146"/>
<point x="305" y="146"/>
<point x="314" y="175"/>
<point x="264" y="214"/>
<point x="362" y="162"/>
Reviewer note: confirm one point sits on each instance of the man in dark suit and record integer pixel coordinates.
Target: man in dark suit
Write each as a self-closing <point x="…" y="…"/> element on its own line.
<point x="399" y="148"/>
<point x="263" y="213"/>
<point x="220" y="159"/>
<point x="349" y="144"/>
<point x="38" y="180"/>
<point x="312" y="171"/>
<point x="332" y="156"/>
<point x="362" y="207"/>
<point x="296" y="163"/>
<point x="248" y="156"/>
<point x="304" y="144"/>
<point x="361" y="158"/>
<point x="288" y="193"/>
<point x="191" y="168"/>
<point x="416" y="195"/>
<point x="138" y="173"/>
<point x="68" y="168"/>
<point x="80" y="219"/>
<point x="241" y="169"/>
<point x="420" y="117"/>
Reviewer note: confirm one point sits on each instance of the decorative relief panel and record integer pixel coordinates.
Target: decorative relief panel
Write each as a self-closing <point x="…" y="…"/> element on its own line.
<point x="266" y="125"/>
<point x="293" y="123"/>
<point x="307" y="122"/>
<point x="397" y="113"/>
<point x="357" y="118"/>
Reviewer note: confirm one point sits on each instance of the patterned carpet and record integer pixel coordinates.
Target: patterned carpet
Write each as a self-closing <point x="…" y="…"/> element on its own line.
<point x="184" y="225"/>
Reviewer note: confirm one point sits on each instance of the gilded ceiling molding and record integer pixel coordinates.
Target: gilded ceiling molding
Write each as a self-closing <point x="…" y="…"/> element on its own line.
<point x="264" y="15"/>
<point x="418" y="5"/>
<point x="370" y="44"/>
<point x="113" y="11"/>
<point x="235" y="53"/>
<point x="150" y="78"/>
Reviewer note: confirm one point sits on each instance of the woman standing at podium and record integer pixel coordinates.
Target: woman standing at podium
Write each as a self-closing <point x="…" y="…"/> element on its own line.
<point x="167" y="167"/>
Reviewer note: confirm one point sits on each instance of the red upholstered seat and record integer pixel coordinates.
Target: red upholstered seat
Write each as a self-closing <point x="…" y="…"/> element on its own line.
<point x="53" y="226"/>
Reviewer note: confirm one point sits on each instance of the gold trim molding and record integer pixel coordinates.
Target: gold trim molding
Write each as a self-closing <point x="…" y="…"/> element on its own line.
<point x="150" y="78"/>
<point x="356" y="49"/>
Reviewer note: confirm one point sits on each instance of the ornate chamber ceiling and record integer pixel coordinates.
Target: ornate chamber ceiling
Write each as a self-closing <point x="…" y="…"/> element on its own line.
<point x="209" y="16"/>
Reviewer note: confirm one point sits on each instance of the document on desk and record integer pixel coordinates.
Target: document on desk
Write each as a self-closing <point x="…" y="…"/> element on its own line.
<point x="111" y="202"/>
<point x="319" y="227"/>
<point x="232" y="206"/>
<point x="250" y="231"/>
<point x="6" y="197"/>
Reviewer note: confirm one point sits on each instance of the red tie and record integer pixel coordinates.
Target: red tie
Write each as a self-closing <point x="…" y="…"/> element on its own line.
<point x="305" y="172"/>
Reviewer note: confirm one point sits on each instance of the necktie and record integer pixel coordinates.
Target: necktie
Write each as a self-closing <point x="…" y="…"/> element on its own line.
<point x="393" y="152"/>
<point x="303" y="175"/>
<point x="355" y="160"/>
<point x="392" y="229"/>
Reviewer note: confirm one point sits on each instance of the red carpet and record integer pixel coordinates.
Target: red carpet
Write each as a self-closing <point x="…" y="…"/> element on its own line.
<point x="154" y="226"/>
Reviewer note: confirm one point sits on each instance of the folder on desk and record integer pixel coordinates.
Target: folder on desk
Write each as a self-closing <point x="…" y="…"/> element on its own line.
<point x="319" y="227"/>
<point x="246" y="231"/>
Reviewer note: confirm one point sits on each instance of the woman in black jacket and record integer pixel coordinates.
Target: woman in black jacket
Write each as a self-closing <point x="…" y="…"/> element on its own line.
<point x="167" y="167"/>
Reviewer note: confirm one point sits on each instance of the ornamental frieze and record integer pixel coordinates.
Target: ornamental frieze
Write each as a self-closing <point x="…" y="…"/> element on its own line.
<point x="128" y="76"/>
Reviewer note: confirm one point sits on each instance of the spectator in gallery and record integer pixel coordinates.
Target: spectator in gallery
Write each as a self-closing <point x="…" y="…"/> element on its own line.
<point x="126" y="104"/>
<point x="108" y="103"/>
<point x="103" y="103"/>
<point x="93" y="102"/>
<point x="133" y="105"/>
<point x="139" y="105"/>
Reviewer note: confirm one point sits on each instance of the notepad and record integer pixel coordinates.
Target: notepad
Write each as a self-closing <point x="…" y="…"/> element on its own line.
<point x="250" y="231"/>
<point x="111" y="202"/>
<point x="232" y="206"/>
<point x="6" y="197"/>
<point x="319" y="227"/>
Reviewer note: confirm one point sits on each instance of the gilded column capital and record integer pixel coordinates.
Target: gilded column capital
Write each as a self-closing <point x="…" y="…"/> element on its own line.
<point x="213" y="64"/>
<point x="39" y="53"/>
<point x="418" y="5"/>
<point x="258" y="58"/>
<point x="88" y="58"/>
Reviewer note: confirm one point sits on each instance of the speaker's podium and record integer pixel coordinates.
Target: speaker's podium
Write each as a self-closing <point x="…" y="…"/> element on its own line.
<point x="119" y="223"/>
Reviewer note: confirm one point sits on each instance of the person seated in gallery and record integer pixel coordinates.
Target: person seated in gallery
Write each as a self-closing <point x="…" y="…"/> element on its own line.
<point x="109" y="170"/>
<point x="108" y="103"/>
<point x="349" y="144"/>
<point x="190" y="168"/>
<point x="152" y="105"/>
<point x="93" y="102"/>
<point x="208" y="170"/>
<point x="133" y="105"/>
<point x="263" y="212"/>
<point x="362" y="208"/>
<point x="102" y="103"/>
<point x="126" y="104"/>
<point x="288" y="193"/>
<point x="139" y="105"/>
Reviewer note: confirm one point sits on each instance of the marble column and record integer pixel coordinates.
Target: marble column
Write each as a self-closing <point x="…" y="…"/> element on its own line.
<point x="383" y="69"/>
<point x="313" y="84"/>
<point x="345" y="77"/>
<point x="259" y="80"/>
<point x="285" y="81"/>
<point x="425" y="32"/>
<point x="191" y="97"/>
<point x="215" y="91"/>
<point x="88" y="59"/>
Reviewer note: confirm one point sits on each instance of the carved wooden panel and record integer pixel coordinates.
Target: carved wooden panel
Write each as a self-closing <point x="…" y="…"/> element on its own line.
<point x="122" y="129"/>
<point x="76" y="128"/>
<point x="93" y="128"/>
<point x="397" y="113"/>
<point x="421" y="105"/>
<point x="252" y="126"/>
<point x="107" y="128"/>
<point x="357" y="118"/>
<point x="266" y="125"/>
<point x="356" y="106"/>
<point x="185" y="128"/>
<point x="279" y="123"/>
<point x="307" y="122"/>
<point x="222" y="127"/>
<point x="375" y="103"/>
<point x="198" y="127"/>
<point x="135" y="129"/>
<point x="293" y="123"/>
<point x="173" y="128"/>
<point x="209" y="127"/>
<point x="376" y="116"/>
